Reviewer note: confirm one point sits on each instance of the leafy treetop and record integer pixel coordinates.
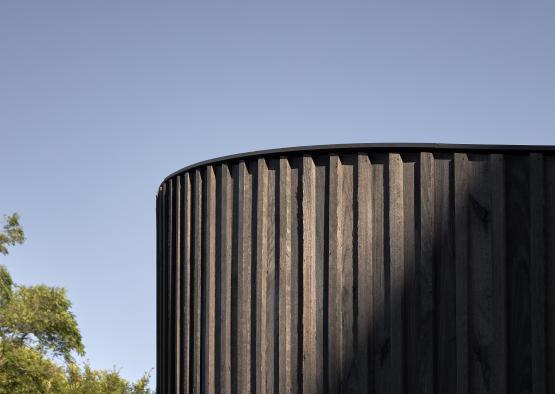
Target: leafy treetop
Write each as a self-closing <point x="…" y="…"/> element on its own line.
<point x="39" y="337"/>
<point x="12" y="233"/>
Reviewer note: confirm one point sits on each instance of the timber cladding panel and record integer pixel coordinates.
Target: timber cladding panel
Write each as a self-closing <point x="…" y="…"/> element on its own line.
<point x="363" y="268"/>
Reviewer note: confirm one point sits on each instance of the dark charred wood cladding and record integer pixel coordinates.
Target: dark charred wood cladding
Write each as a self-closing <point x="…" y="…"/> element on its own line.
<point x="364" y="268"/>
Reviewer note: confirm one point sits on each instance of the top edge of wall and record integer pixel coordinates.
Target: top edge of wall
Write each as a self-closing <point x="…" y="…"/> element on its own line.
<point x="369" y="147"/>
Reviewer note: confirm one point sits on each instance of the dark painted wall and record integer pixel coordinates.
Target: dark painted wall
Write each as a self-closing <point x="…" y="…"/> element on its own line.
<point x="411" y="269"/>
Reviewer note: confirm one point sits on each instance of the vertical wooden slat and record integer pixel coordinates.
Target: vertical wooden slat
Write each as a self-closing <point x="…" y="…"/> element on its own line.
<point x="364" y="274"/>
<point x="176" y="285"/>
<point x="396" y="267"/>
<point x="518" y="273"/>
<point x="423" y="364"/>
<point x="497" y="176"/>
<point x="235" y="268"/>
<point x="285" y="279"/>
<point x="309" y="317"/>
<point x="223" y="280"/>
<point x="442" y="331"/>
<point x="414" y="368"/>
<point x="411" y="205"/>
<point x="461" y="263"/>
<point x="272" y="279"/>
<point x="244" y="217"/>
<point x="172" y="286"/>
<point x="347" y="276"/>
<point x="335" y="285"/>
<point x="163" y="293"/>
<point x="296" y="276"/>
<point x="185" y="285"/>
<point x="197" y="281"/>
<point x="537" y="261"/>
<point x="168" y="320"/>
<point x="342" y="371"/>
<point x="549" y="241"/>
<point x="262" y="339"/>
<point x="319" y="250"/>
<point x="480" y="284"/>
<point x="209" y="281"/>
<point x="380" y="337"/>
<point x="415" y="364"/>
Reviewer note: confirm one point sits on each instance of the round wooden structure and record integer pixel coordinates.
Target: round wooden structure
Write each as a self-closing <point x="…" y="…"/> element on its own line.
<point x="383" y="268"/>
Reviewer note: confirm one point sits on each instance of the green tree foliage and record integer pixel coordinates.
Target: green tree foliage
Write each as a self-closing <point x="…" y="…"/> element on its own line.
<point x="12" y="233"/>
<point x="26" y="370"/>
<point x="40" y="317"/>
<point x="6" y="286"/>
<point x="39" y="339"/>
<point x="87" y="380"/>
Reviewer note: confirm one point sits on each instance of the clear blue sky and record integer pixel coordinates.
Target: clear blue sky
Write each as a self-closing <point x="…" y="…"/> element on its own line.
<point x="100" y="100"/>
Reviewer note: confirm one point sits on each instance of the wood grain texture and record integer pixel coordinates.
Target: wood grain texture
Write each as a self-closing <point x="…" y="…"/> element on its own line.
<point x="348" y="289"/>
<point x="518" y="272"/>
<point x="209" y="282"/>
<point x="176" y="286"/>
<point x="244" y="303"/>
<point x="443" y="271"/>
<point x="272" y="280"/>
<point x="365" y="311"/>
<point x="310" y="376"/>
<point x="431" y="209"/>
<point x="335" y="266"/>
<point x="296" y="277"/>
<point x="197" y="282"/>
<point x="185" y="285"/>
<point x="380" y="336"/>
<point x="396" y="290"/>
<point x="461" y="272"/>
<point x="224" y="279"/>
<point x="411" y="327"/>
<point x="285" y="278"/>
<point x="319" y="262"/>
<point x="369" y="271"/>
<point x="498" y="232"/>
<point x="480" y="282"/>
<point x="262" y="365"/>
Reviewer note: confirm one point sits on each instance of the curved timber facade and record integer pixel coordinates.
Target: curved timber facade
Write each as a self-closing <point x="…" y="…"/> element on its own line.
<point x="379" y="268"/>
